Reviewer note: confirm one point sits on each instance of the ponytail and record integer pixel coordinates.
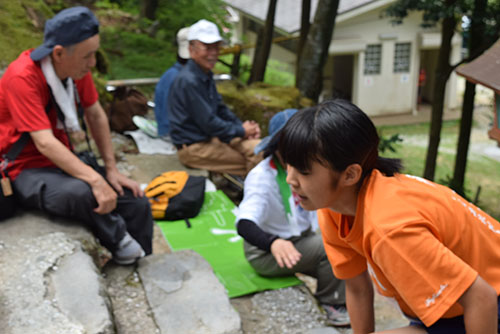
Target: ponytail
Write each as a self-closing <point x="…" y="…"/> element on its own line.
<point x="388" y="166"/>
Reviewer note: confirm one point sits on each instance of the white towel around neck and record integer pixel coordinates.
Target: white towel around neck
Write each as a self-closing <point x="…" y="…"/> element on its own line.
<point x="64" y="96"/>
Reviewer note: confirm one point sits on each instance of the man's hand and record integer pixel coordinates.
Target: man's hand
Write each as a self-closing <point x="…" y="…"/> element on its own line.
<point x="104" y="195"/>
<point x="61" y="156"/>
<point x="118" y="181"/>
<point x="99" y="127"/>
<point x="285" y="253"/>
<point x="252" y="130"/>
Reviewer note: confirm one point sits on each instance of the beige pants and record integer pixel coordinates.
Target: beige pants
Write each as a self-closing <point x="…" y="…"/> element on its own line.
<point x="236" y="158"/>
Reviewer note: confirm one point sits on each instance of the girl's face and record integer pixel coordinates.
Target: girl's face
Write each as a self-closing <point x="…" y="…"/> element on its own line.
<point x="317" y="188"/>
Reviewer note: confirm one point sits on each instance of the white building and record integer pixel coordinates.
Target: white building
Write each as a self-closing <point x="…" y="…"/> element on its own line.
<point x="372" y="62"/>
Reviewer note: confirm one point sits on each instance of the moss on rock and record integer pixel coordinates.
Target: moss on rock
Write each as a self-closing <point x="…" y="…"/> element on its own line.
<point x="21" y="23"/>
<point x="260" y="101"/>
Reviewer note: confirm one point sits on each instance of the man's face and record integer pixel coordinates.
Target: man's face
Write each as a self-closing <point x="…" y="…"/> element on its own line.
<point x="77" y="60"/>
<point x="205" y="55"/>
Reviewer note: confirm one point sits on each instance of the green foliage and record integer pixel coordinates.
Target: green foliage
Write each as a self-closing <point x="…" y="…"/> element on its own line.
<point x="277" y="72"/>
<point x="18" y="31"/>
<point x="173" y="15"/>
<point x="135" y="55"/>
<point x="481" y="171"/>
<point x="106" y="4"/>
<point x="389" y="143"/>
<point x="434" y="11"/>
<point x="137" y="50"/>
<point x="176" y="14"/>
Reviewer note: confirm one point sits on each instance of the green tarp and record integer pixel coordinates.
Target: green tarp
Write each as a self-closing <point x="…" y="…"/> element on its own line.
<point x="213" y="235"/>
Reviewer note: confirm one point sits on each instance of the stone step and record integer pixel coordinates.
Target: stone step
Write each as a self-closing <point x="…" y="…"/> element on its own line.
<point x="49" y="283"/>
<point x="54" y="278"/>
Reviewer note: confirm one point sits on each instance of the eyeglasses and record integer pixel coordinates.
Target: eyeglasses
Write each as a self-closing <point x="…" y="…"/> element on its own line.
<point x="207" y="47"/>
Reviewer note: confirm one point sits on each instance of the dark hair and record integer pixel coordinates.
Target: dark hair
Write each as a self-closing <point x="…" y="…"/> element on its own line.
<point x="336" y="134"/>
<point x="181" y="60"/>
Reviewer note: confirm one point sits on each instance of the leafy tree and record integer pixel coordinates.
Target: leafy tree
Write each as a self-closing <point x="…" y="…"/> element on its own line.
<point x="448" y="13"/>
<point x="142" y="48"/>
<point x="173" y="15"/>
<point x="263" y="45"/>
<point x="315" y="52"/>
<point x="482" y="32"/>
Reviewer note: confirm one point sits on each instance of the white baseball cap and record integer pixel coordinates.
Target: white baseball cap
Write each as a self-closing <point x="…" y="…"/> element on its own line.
<point x="205" y="32"/>
<point x="183" y="43"/>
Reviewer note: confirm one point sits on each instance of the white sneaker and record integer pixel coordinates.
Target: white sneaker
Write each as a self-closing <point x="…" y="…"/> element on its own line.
<point x="337" y="315"/>
<point x="128" y="251"/>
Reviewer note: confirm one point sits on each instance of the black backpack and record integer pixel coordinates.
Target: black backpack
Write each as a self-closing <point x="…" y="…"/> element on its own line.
<point x="175" y="195"/>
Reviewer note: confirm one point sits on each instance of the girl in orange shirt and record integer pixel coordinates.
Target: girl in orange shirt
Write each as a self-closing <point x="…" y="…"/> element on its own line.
<point x="417" y="242"/>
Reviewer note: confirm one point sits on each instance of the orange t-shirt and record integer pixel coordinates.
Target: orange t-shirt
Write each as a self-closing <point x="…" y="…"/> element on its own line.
<point x="422" y="244"/>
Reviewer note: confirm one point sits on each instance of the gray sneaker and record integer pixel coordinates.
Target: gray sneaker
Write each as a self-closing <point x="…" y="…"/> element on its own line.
<point x="128" y="251"/>
<point x="337" y="315"/>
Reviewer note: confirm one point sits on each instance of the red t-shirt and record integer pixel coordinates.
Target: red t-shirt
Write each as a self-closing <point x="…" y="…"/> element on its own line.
<point x="422" y="244"/>
<point x="24" y="95"/>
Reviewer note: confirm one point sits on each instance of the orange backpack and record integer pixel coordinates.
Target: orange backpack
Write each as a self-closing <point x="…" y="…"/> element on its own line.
<point x="176" y="195"/>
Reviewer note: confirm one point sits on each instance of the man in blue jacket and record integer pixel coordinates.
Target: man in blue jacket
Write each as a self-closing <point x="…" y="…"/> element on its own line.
<point x="163" y="87"/>
<point x="206" y="133"/>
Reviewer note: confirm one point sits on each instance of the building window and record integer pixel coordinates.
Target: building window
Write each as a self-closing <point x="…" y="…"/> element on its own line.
<point x="402" y="58"/>
<point x="373" y="56"/>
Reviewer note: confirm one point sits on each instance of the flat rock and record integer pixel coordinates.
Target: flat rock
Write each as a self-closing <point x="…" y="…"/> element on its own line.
<point x="186" y="296"/>
<point x="48" y="284"/>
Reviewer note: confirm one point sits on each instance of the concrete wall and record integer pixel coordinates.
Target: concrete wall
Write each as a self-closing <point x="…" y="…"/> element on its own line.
<point x="386" y="92"/>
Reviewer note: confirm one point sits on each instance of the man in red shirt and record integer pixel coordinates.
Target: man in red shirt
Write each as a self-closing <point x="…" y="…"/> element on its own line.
<point x="47" y="175"/>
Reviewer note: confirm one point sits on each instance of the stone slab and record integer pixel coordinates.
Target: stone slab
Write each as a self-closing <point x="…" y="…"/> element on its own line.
<point x="39" y="260"/>
<point x="186" y="296"/>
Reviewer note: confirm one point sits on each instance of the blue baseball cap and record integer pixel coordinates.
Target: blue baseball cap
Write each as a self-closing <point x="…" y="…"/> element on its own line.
<point x="276" y="123"/>
<point x="69" y="26"/>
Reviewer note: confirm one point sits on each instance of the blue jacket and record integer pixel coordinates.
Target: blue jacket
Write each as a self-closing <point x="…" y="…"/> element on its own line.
<point x="161" y="94"/>
<point x="196" y="111"/>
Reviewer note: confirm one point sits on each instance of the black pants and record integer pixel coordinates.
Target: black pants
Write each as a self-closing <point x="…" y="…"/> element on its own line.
<point x="57" y="193"/>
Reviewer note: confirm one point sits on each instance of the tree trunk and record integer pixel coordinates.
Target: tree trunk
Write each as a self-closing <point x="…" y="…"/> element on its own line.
<point x="315" y="52"/>
<point x="235" y="67"/>
<point x="305" y="24"/>
<point x="263" y="46"/>
<point x="476" y="39"/>
<point x="148" y="9"/>
<point x="457" y="183"/>
<point x="443" y="71"/>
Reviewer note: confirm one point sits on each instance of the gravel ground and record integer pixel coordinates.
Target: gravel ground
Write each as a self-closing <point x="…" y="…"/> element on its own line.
<point x="284" y="311"/>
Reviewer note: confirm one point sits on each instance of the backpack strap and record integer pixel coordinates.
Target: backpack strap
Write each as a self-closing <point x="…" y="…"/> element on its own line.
<point x="80" y="113"/>
<point x="19" y="145"/>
